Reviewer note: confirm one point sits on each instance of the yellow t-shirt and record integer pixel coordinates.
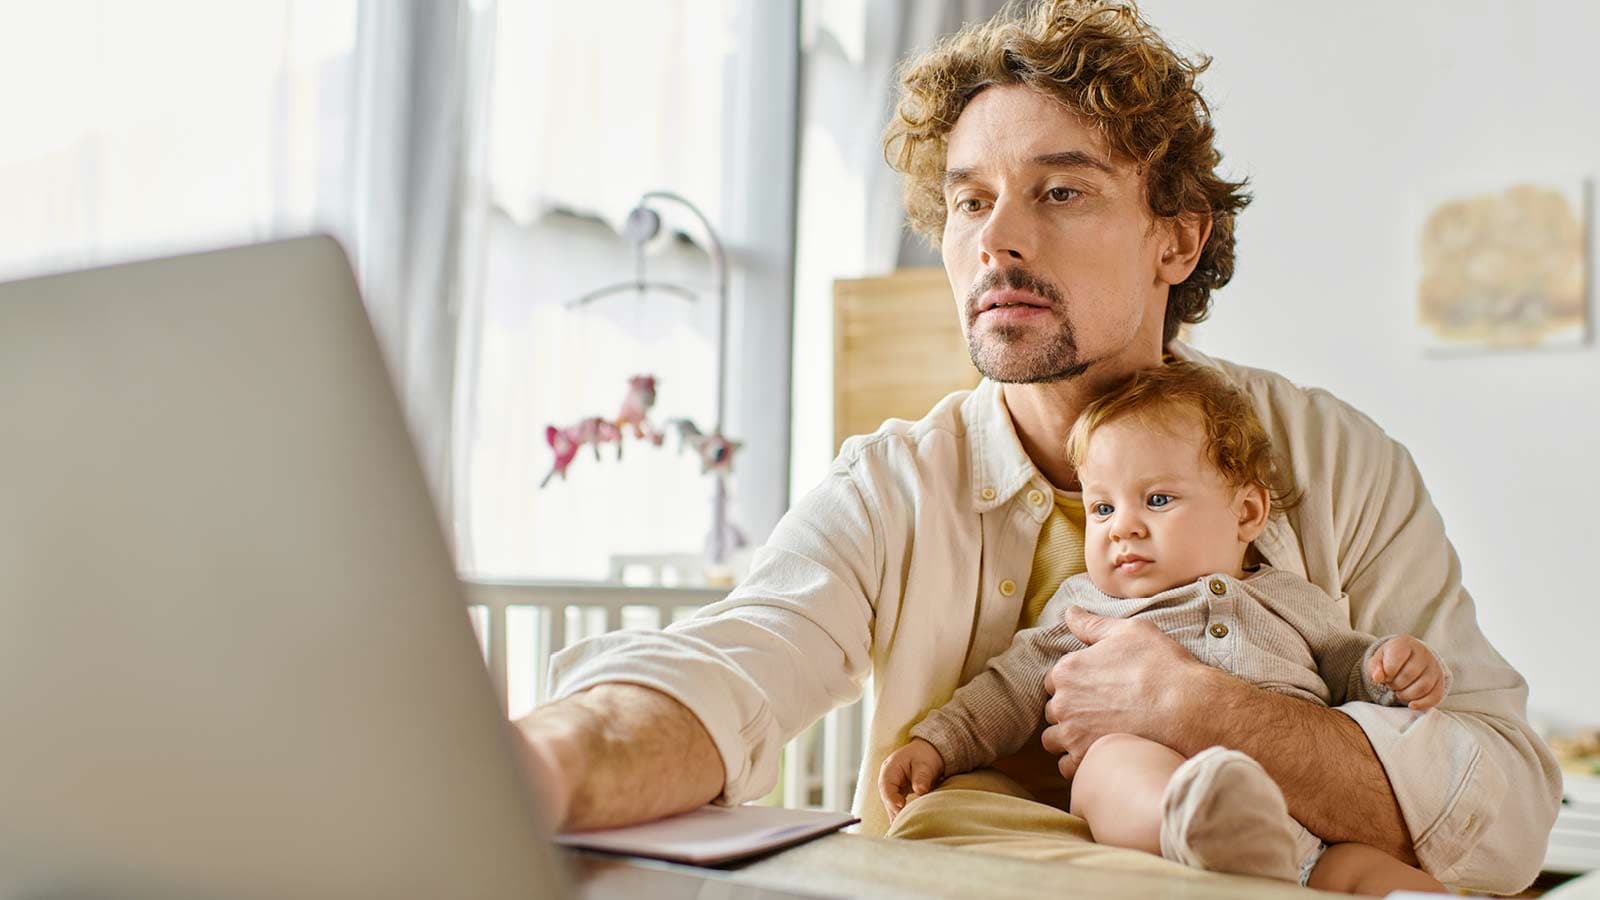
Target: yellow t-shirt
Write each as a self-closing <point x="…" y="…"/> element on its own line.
<point x="1057" y="557"/>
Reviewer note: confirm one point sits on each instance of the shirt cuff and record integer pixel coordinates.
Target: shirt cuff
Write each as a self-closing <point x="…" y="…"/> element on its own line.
<point x="699" y="676"/>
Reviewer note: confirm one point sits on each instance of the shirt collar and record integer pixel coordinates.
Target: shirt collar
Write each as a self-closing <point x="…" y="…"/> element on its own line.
<point x="1000" y="467"/>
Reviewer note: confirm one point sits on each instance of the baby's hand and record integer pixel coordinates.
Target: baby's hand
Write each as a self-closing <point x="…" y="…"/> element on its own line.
<point x="917" y="766"/>
<point x="1410" y="669"/>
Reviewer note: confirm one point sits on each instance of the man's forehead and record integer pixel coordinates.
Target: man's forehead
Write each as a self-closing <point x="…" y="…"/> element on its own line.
<point x="1014" y="126"/>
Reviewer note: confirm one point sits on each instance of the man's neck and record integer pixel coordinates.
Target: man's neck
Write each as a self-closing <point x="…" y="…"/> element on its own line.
<point x="1042" y="414"/>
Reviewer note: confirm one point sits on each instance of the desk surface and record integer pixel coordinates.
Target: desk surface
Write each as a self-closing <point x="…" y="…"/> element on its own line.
<point x="849" y="865"/>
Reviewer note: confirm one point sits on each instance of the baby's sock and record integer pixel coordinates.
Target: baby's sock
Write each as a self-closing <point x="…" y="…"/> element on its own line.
<point x="1222" y="812"/>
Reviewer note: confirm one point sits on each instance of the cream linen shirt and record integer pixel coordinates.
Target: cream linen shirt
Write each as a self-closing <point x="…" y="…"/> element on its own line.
<point x="906" y="565"/>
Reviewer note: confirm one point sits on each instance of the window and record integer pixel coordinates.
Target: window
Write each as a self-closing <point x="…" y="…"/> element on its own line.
<point x="586" y="114"/>
<point x="137" y="129"/>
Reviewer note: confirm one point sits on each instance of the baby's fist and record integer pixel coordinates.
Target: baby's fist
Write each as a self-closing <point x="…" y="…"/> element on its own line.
<point x="909" y="772"/>
<point x="1406" y="666"/>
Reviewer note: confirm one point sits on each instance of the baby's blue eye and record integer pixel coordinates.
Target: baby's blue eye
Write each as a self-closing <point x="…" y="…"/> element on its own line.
<point x="1157" y="501"/>
<point x="1101" y="509"/>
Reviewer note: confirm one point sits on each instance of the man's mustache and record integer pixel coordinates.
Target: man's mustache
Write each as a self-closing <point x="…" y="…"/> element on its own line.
<point x="1014" y="278"/>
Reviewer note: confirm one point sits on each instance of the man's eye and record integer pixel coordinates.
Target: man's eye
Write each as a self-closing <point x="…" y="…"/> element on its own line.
<point x="1061" y="194"/>
<point x="1102" y="509"/>
<point x="969" y="205"/>
<point x="1157" y="501"/>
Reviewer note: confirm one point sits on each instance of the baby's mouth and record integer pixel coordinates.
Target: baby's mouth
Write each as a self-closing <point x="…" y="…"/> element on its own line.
<point x="1131" y="564"/>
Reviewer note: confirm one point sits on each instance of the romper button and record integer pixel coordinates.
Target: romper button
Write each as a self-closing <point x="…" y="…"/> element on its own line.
<point x="1036" y="498"/>
<point x="987" y="493"/>
<point x="1219" y="588"/>
<point x="1008" y="587"/>
<point x="1219" y="630"/>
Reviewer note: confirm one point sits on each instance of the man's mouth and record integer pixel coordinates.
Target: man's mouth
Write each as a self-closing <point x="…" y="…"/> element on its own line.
<point x="1010" y="299"/>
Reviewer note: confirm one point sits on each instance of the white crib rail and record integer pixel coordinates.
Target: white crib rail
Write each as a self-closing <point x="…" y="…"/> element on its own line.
<point x="820" y="766"/>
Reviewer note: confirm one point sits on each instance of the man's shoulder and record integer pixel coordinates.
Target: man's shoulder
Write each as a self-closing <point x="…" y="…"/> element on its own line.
<point x="1297" y="410"/>
<point x="942" y="429"/>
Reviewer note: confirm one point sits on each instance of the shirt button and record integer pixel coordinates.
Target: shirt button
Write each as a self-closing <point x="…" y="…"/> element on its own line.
<point x="1007" y="587"/>
<point x="987" y="493"/>
<point x="1218" y="587"/>
<point x="1036" y="498"/>
<point x="1219" y="630"/>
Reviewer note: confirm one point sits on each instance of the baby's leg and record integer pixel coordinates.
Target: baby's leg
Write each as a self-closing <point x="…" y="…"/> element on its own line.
<point x="1359" y="869"/>
<point x="1118" y="790"/>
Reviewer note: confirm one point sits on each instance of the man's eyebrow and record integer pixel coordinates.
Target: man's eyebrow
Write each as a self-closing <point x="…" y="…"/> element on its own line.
<point x="1073" y="159"/>
<point x="1066" y="159"/>
<point x="954" y="177"/>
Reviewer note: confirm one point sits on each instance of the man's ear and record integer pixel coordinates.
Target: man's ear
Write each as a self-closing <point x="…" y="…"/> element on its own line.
<point x="1252" y="506"/>
<point x="1186" y="237"/>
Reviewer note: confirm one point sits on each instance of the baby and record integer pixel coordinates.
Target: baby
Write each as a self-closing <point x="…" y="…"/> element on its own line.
<point x="1178" y="478"/>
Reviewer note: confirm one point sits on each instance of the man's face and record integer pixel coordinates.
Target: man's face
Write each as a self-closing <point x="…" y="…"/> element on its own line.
<point x="1049" y="245"/>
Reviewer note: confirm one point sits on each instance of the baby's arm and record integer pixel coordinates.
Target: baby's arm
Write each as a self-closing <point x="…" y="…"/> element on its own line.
<point x="998" y="711"/>
<point x="1398" y="670"/>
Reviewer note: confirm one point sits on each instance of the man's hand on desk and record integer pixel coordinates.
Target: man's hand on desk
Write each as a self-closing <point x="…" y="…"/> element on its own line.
<point x="543" y="773"/>
<point x="618" y="754"/>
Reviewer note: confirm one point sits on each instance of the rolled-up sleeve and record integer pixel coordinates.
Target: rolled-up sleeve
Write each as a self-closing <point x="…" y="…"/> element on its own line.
<point x="789" y="644"/>
<point x="1478" y="789"/>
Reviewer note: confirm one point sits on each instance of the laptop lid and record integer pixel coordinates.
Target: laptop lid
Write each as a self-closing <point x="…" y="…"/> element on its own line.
<point x="234" y="657"/>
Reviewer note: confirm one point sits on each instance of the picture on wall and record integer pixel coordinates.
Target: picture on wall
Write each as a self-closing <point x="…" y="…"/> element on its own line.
<point x="1505" y="268"/>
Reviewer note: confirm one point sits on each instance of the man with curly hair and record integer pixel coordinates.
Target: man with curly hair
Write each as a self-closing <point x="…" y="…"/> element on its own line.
<point x="1062" y="159"/>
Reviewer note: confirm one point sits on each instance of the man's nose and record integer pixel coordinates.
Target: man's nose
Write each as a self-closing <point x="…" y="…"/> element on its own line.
<point x="1007" y="237"/>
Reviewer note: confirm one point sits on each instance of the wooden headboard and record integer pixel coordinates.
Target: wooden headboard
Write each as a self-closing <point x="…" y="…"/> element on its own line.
<point x="897" y="349"/>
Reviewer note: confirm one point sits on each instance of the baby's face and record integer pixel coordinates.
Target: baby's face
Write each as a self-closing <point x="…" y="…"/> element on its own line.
<point x="1157" y="513"/>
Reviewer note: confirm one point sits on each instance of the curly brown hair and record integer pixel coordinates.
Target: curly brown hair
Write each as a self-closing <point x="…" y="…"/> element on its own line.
<point x="1235" y="441"/>
<point x="1105" y="63"/>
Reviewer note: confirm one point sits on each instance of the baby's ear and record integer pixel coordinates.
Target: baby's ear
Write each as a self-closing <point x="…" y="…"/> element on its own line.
<point x="1252" y="505"/>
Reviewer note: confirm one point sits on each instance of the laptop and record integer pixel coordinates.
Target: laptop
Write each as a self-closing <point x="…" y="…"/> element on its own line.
<point x="234" y="657"/>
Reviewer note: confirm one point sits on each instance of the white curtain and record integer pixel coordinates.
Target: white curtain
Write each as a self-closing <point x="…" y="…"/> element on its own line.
<point x="590" y="102"/>
<point x="139" y="129"/>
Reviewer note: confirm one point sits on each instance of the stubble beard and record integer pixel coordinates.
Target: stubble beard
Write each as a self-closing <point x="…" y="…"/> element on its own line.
<point x="1004" y="353"/>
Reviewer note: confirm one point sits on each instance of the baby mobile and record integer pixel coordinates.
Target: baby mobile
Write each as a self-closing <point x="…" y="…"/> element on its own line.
<point x="716" y="450"/>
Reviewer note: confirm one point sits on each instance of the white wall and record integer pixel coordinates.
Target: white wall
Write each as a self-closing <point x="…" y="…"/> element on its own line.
<point x="1340" y="116"/>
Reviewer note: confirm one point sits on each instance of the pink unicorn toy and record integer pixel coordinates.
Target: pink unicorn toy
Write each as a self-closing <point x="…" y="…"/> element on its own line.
<point x="636" y="406"/>
<point x="564" y="443"/>
<point x="596" y="431"/>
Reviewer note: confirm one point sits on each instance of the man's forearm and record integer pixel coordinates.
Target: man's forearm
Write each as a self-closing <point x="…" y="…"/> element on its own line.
<point x="1321" y="759"/>
<point x="624" y="754"/>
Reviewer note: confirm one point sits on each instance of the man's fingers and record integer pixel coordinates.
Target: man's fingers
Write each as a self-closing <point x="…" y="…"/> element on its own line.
<point x="1068" y="765"/>
<point x="1087" y="626"/>
<point x="1054" y="739"/>
<point x="1059" y="742"/>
